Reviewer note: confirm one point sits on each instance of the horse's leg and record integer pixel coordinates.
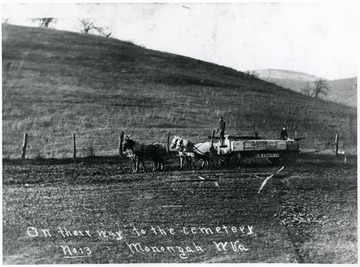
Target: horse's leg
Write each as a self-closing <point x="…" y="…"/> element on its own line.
<point x="137" y="160"/>
<point x="161" y="165"/>
<point x="143" y="164"/>
<point x="181" y="162"/>
<point x="207" y="161"/>
<point x="133" y="159"/>
<point x="203" y="163"/>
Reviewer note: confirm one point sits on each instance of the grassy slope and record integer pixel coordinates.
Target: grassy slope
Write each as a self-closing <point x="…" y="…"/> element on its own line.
<point x="58" y="83"/>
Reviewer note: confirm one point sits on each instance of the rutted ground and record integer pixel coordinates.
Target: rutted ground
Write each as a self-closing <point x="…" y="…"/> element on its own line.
<point x="307" y="213"/>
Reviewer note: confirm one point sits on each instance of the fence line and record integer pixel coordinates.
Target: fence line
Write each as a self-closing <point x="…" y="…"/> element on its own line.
<point x="81" y="144"/>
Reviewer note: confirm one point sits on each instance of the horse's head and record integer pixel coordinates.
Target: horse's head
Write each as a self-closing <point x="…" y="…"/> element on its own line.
<point x="128" y="143"/>
<point x="174" y="142"/>
<point x="180" y="144"/>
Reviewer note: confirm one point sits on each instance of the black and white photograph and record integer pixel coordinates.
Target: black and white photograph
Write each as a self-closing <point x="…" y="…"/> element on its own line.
<point x="179" y="132"/>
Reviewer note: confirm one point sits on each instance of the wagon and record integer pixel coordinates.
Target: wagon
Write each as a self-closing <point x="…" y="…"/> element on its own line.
<point x="274" y="150"/>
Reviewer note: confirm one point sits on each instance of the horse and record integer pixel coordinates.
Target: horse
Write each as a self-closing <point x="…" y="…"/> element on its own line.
<point x="189" y="150"/>
<point x="139" y="152"/>
<point x="205" y="151"/>
<point x="184" y="148"/>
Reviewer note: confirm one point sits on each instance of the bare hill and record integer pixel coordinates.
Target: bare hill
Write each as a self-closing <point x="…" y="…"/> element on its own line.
<point x="343" y="91"/>
<point x="58" y="83"/>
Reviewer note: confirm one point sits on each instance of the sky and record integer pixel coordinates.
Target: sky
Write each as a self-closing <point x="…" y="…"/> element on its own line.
<point x="319" y="38"/>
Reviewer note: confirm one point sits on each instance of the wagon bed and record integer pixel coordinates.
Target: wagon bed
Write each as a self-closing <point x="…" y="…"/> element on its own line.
<point x="261" y="145"/>
<point x="274" y="150"/>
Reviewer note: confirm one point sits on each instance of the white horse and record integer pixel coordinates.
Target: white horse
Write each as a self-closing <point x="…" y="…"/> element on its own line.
<point x="184" y="148"/>
<point x="189" y="150"/>
<point x="205" y="151"/>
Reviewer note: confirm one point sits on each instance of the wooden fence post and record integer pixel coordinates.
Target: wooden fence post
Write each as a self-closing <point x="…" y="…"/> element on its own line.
<point x="121" y="140"/>
<point x="74" y="143"/>
<point x="168" y="143"/>
<point x="23" y="154"/>
<point x="297" y="140"/>
<point x="336" y="145"/>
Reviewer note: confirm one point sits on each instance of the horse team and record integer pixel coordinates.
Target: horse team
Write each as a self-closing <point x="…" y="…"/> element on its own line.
<point x="187" y="151"/>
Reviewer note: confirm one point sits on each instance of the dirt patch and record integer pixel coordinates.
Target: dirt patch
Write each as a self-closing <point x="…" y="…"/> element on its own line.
<point x="306" y="213"/>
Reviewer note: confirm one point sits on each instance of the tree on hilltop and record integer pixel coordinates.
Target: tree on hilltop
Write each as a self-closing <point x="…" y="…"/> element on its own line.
<point x="88" y="26"/>
<point x="106" y="32"/>
<point x="321" y="87"/>
<point x="253" y="74"/>
<point x="45" y="22"/>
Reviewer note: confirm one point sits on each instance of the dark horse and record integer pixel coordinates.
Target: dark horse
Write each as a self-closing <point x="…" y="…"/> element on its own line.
<point x="139" y="152"/>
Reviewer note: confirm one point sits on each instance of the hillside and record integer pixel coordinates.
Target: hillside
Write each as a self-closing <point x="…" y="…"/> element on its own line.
<point x="344" y="91"/>
<point x="341" y="91"/>
<point x="58" y="83"/>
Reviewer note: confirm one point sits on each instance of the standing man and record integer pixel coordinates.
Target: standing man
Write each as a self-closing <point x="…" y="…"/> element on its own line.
<point x="221" y="130"/>
<point x="283" y="133"/>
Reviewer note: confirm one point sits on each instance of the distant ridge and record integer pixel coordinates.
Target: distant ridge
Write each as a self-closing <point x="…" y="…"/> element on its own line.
<point x="341" y="91"/>
<point x="285" y="74"/>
